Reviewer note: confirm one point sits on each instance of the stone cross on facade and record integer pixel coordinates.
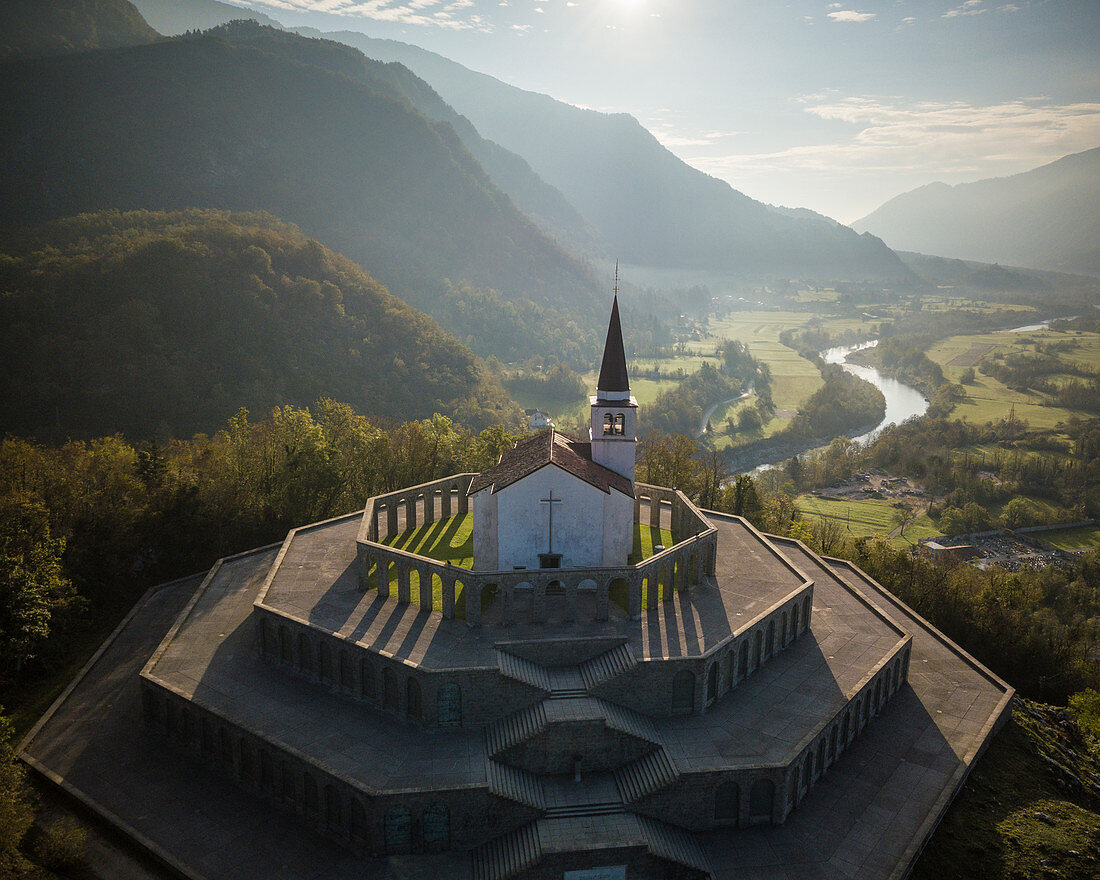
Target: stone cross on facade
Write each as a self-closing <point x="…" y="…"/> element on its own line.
<point x="550" y="502"/>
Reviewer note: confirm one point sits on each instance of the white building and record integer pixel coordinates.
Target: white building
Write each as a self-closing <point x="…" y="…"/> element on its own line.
<point x="556" y="502"/>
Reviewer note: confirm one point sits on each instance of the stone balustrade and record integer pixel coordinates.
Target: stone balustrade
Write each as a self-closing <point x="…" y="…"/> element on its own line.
<point x="462" y="590"/>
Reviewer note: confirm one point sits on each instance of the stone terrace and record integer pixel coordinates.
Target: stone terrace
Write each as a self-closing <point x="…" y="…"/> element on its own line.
<point x="316" y="583"/>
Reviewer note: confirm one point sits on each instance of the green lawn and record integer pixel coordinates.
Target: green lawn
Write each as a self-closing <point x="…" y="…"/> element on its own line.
<point x="452" y="540"/>
<point x="1084" y="538"/>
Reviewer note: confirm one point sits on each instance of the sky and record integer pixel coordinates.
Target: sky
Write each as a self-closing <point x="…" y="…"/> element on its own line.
<point x="832" y="106"/>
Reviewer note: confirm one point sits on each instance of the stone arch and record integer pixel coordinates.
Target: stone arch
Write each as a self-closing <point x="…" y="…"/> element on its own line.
<point x="171" y="718"/>
<point x="311" y="798"/>
<point x="286" y="784"/>
<point x="435" y="827"/>
<point x="806" y="613"/>
<point x="267" y="771"/>
<point x="820" y="756"/>
<point x="727" y="802"/>
<point x="794" y="620"/>
<point x="333" y="818"/>
<point x="683" y="692"/>
<point x="359" y="830"/>
<point x="305" y="654"/>
<point x="651" y="586"/>
<point x="389" y="690"/>
<point x="412" y="699"/>
<point x="712" y="682"/>
<point x="807" y="771"/>
<point x="368" y="687"/>
<point x="846" y="730"/>
<point x="668" y="582"/>
<point x="770" y="647"/>
<point x="448" y="700"/>
<point x="743" y="659"/>
<point x="757" y="650"/>
<point x="731" y="673"/>
<point x="761" y="799"/>
<point x="897" y="677"/>
<point x="878" y="696"/>
<point x="347" y="681"/>
<point x="324" y="662"/>
<point x="245" y="768"/>
<point x="286" y="647"/>
<point x="225" y="748"/>
<point x="783" y="634"/>
<point x="435" y="588"/>
<point x="693" y="568"/>
<point x="832" y="743"/>
<point x="397" y="830"/>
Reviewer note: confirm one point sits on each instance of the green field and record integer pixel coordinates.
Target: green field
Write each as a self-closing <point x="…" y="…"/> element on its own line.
<point x="452" y="540"/>
<point x="870" y="517"/>
<point x="1084" y="538"/>
<point x="988" y="399"/>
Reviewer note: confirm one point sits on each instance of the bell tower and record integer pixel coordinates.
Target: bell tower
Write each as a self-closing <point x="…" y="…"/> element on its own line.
<point x="614" y="425"/>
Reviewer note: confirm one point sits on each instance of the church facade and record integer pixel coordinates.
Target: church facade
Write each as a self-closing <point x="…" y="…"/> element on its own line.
<point x="551" y="487"/>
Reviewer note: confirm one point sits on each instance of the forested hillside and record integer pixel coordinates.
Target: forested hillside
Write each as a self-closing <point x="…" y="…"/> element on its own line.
<point x="282" y="124"/>
<point x="167" y="323"/>
<point x="30" y="28"/>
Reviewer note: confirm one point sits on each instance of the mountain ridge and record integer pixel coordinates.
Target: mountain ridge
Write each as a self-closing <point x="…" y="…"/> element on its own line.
<point x="1045" y="217"/>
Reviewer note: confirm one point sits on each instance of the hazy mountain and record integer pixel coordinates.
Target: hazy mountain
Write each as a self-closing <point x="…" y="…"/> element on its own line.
<point x="173" y="17"/>
<point x="652" y="208"/>
<point x="151" y="322"/>
<point x="32" y="28"/>
<point x="249" y="118"/>
<point x="1048" y="217"/>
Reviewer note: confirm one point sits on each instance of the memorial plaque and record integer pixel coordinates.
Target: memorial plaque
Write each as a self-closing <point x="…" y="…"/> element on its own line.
<point x="449" y="704"/>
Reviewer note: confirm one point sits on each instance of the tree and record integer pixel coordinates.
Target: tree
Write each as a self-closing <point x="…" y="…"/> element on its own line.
<point x="32" y="586"/>
<point x="16" y="807"/>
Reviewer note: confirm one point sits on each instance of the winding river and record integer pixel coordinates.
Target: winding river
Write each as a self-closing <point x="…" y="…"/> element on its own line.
<point x="902" y="401"/>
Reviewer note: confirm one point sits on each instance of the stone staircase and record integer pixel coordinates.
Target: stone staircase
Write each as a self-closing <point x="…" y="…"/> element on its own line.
<point x="674" y="844"/>
<point x="608" y="665"/>
<point x="645" y="776"/>
<point x="523" y="670"/>
<point x="629" y="722"/>
<point x="515" y="784"/>
<point x="513" y="729"/>
<point x="507" y="855"/>
<point x="521" y="849"/>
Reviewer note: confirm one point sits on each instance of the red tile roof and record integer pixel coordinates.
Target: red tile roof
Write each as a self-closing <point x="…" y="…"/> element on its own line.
<point x="551" y="447"/>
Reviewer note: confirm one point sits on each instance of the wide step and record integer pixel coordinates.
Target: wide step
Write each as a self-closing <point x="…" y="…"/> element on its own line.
<point x="507" y="855"/>
<point x="645" y="776"/>
<point x="629" y="722"/>
<point x="523" y="670"/>
<point x="607" y="665"/>
<point x="571" y="810"/>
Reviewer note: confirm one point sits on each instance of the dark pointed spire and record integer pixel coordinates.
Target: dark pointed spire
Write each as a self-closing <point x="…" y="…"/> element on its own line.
<point x="613" y="377"/>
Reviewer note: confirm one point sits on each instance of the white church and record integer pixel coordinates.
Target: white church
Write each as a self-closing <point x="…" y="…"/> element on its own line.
<point x="556" y="502"/>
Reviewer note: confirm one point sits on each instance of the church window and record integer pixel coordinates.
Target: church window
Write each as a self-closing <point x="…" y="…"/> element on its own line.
<point x="436" y="828"/>
<point x="397" y="826"/>
<point x="761" y="796"/>
<point x="726" y="802"/>
<point x="683" y="692"/>
<point x="449" y="704"/>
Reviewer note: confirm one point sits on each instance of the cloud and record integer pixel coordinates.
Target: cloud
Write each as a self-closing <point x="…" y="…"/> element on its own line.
<point x="848" y="15"/>
<point x="421" y="13"/>
<point x="969" y="7"/>
<point x="935" y="139"/>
